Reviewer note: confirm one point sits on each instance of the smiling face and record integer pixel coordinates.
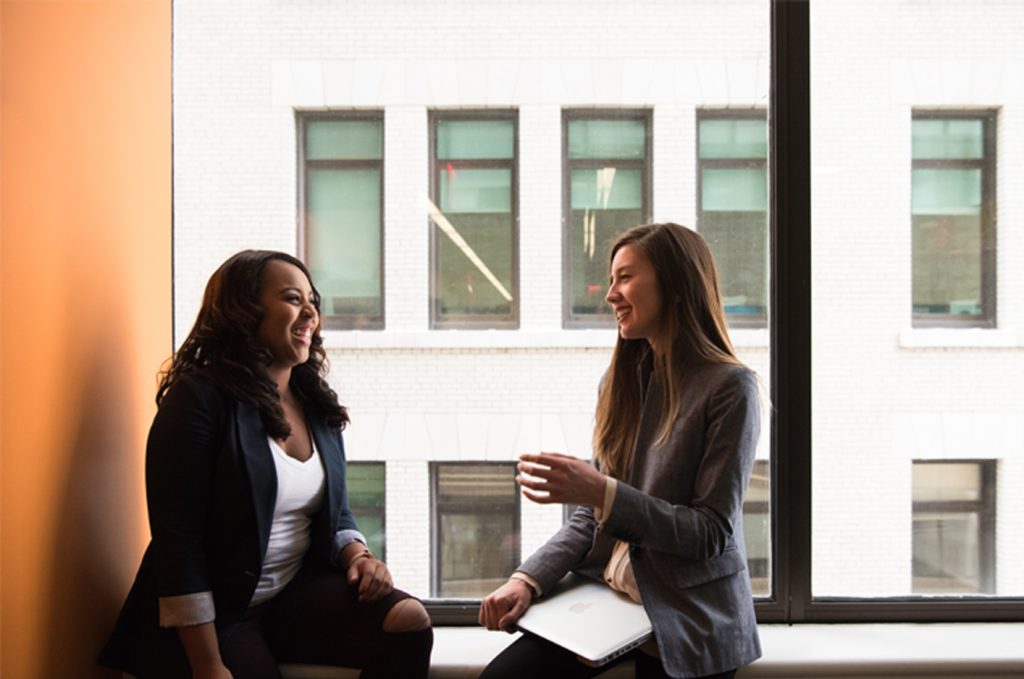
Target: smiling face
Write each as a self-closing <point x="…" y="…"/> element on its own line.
<point x="289" y="314"/>
<point x="635" y="295"/>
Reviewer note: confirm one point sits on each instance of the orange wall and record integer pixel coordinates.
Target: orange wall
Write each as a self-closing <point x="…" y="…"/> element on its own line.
<point x="85" y="213"/>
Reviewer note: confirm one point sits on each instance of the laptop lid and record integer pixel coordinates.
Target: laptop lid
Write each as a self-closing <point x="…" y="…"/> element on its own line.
<point x="588" y="618"/>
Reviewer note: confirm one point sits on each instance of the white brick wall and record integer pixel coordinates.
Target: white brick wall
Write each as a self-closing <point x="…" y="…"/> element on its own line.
<point x="242" y="69"/>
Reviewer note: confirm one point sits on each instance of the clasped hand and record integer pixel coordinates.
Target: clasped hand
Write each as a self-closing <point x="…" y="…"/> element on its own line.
<point x="373" y="577"/>
<point x="552" y="477"/>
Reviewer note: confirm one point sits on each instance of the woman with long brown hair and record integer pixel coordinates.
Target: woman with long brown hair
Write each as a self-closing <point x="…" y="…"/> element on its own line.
<point x="660" y="511"/>
<point x="255" y="557"/>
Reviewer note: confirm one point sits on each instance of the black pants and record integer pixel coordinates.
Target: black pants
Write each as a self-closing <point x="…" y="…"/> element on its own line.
<point x="317" y="619"/>
<point x="533" y="657"/>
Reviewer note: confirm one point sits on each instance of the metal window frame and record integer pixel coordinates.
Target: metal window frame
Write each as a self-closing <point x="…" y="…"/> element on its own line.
<point x="508" y="321"/>
<point x="987" y="165"/>
<point x="735" y="320"/>
<point x="645" y="165"/>
<point x="302" y="118"/>
<point x="458" y="610"/>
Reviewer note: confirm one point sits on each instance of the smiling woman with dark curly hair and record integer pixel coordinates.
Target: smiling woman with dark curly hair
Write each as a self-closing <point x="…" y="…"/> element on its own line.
<point x="255" y="557"/>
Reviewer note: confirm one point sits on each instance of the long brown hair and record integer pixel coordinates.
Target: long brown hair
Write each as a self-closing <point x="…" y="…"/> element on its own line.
<point x="693" y="321"/>
<point x="224" y="345"/>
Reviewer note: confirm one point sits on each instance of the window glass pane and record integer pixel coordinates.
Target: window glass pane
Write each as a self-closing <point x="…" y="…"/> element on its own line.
<point x="734" y="211"/>
<point x="472" y="139"/>
<point x="366" y="496"/>
<point x="733" y="139"/>
<point x="946" y="192"/>
<point x="465" y="190"/>
<point x="607" y="139"/>
<point x="734" y="190"/>
<point x="605" y="202"/>
<point x="948" y="139"/>
<point x="906" y="297"/>
<point x="757" y="529"/>
<point x="343" y="228"/>
<point x="477" y="528"/>
<point x="344" y="140"/>
<point x="475" y="224"/>
<point x="947" y="264"/>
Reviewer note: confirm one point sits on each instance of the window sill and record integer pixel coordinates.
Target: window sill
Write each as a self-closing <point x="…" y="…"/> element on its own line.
<point x="907" y="651"/>
<point x="502" y="339"/>
<point x="959" y="338"/>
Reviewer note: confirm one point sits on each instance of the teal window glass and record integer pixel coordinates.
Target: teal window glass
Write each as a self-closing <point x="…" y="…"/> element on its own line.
<point x="344" y="140"/>
<point x="733" y="154"/>
<point x="475" y="223"/>
<point x="607" y="179"/>
<point x="949" y="228"/>
<point x="476" y="527"/>
<point x="342" y="218"/>
<point x="366" y="498"/>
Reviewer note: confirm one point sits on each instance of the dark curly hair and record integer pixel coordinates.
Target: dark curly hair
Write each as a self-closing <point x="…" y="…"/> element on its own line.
<point x="223" y="345"/>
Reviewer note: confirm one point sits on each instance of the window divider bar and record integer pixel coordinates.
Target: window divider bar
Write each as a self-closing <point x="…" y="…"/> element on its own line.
<point x="789" y="158"/>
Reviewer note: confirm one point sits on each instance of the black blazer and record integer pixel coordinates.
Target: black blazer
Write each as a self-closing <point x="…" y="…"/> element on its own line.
<point x="211" y="487"/>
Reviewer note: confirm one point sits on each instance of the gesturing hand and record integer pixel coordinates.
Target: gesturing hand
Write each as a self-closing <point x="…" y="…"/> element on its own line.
<point x="504" y="606"/>
<point x="553" y="477"/>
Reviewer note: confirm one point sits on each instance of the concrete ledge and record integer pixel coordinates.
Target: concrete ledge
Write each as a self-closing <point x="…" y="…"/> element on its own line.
<point x="875" y="651"/>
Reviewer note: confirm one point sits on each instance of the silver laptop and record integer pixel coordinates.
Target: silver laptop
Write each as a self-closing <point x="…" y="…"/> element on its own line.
<point x="588" y="618"/>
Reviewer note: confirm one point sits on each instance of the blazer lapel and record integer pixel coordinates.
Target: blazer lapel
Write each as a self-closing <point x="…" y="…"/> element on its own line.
<point x="328" y="442"/>
<point x="259" y="462"/>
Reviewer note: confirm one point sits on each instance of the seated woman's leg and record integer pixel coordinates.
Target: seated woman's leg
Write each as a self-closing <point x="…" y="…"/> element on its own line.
<point x="531" y="656"/>
<point x="318" y="619"/>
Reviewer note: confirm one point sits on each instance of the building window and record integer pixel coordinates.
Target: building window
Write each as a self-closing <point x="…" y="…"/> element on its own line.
<point x="366" y="493"/>
<point x="757" y="529"/>
<point x="954" y="527"/>
<point x="341" y="191"/>
<point x="475" y="526"/>
<point x="952" y="219"/>
<point x="474" y="239"/>
<point x="732" y="194"/>
<point x="606" y="190"/>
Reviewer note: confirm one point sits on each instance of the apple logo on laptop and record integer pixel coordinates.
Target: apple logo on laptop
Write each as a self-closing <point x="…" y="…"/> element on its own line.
<point x="579" y="607"/>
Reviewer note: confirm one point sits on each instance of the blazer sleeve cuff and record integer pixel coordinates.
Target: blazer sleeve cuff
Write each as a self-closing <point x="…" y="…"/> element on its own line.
<point x="342" y="539"/>
<point x="529" y="580"/>
<point x="187" y="609"/>
<point x="600" y="513"/>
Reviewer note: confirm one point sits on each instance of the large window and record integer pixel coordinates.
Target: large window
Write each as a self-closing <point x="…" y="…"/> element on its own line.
<point x="366" y="494"/>
<point x="733" y="197"/>
<point x="342" y="198"/>
<point x="606" y="191"/>
<point x="952" y="218"/>
<point x="954" y="527"/>
<point x="473" y="211"/>
<point x="475" y="527"/>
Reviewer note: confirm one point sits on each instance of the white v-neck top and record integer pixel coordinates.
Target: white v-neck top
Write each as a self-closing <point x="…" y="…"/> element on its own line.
<point x="300" y="492"/>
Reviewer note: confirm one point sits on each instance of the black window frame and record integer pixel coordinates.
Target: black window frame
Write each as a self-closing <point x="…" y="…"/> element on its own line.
<point x="645" y="165"/>
<point x="302" y="119"/>
<point x="984" y="507"/>
<point x="445" y="608"/>
<point x="758" y="321"/>
<point x="473" y="321"/>
<point x="987" y="165"/>
<point x="789" y="327"/>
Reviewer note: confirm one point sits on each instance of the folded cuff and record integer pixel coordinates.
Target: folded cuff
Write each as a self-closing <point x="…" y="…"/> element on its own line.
<point x="187" y="609"/>
<point x="342" y="539"/>
<point x="610" y="486"/>
<point x="534" y="585"/>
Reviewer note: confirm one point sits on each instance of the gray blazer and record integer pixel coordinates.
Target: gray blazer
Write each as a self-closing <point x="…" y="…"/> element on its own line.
<point x="681" y="511"/>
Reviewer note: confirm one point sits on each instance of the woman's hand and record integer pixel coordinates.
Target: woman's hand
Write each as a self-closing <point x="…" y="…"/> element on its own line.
<point x="560" y="478"/>
<point x="504" y="606"/>
<point x="371" y="574"/>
